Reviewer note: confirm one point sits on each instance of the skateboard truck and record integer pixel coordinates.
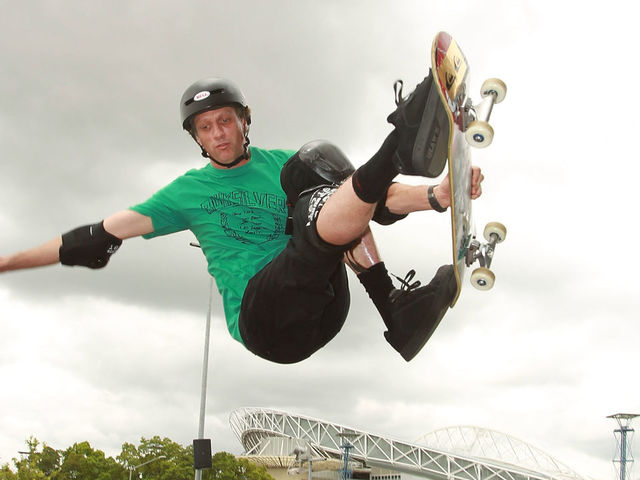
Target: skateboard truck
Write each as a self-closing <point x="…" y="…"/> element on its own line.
<point x="479" y="133"/>
<point x="483" y="278"/>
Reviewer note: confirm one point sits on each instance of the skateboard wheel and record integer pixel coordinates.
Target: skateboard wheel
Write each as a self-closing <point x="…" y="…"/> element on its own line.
<point x="479" y="134"/>
<point x="495" y="86"/>
<point x="496" y="228"/>
<point x="483" y="279"/>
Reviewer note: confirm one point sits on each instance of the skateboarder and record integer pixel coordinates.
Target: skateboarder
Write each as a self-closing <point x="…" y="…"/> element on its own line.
<point x="278" y="226"/>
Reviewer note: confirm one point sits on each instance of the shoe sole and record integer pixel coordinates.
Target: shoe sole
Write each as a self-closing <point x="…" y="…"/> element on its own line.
<point x="430" y="150"/>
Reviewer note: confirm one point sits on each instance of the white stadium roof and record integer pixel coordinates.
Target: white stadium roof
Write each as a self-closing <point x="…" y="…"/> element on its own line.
<point x="455" y="453"/>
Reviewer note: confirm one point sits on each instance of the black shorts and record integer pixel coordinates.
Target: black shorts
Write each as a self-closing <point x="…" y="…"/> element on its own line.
<point x="299" y="301"/>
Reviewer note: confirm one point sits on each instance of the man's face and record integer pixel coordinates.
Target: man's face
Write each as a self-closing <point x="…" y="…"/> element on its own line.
<point x="221" y="133"/>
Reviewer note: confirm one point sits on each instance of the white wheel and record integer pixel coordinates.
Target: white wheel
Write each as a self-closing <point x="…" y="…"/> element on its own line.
<point x="494" y="85"/>
<point x="479" y="134"/>
<point x="497" y="228"/>
<point x="483" y="279"/>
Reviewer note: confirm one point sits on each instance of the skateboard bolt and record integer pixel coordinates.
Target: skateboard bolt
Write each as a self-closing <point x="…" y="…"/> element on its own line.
<point x="478" y="138"/>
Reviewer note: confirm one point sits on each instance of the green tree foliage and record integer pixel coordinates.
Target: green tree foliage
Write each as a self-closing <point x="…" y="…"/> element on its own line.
<point x="154" y="458"/>
<point x="80" y="461"/>
<point x="227" y="467"/>
<point x="177" y="461"/>
<point x="27" y="466"/>
<point x="48" y="461"/>
<point x="7" y="474"/>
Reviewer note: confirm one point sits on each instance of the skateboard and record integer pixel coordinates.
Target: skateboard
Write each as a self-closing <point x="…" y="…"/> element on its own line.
<point x="468" y="126"/>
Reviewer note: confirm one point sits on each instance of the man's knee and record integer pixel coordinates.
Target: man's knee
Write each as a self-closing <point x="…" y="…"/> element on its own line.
<point x="305" y="222"/>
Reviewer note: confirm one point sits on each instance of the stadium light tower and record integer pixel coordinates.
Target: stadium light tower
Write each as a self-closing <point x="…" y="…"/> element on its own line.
<point x="624" y="455"/>
<point x="346" y="447"/>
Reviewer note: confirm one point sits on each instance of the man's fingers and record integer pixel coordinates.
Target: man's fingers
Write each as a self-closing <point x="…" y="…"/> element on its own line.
<point x="476" y="180"/>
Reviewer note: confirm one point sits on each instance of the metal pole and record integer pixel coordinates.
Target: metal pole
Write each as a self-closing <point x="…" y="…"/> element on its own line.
<point x="205" y="371"/>
<point x="623" y="457"/>
<point x="623" y="453"/>
<point x="626" y="457"/>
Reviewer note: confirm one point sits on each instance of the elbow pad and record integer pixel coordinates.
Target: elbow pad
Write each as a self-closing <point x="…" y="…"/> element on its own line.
<point x="88" y="246"/>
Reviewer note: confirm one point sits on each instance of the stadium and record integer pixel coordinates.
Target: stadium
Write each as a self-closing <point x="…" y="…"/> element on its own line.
<point x="295" y="447"/>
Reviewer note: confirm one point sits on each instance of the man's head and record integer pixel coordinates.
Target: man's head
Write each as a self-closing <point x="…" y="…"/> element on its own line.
<point x="214" y="111"/>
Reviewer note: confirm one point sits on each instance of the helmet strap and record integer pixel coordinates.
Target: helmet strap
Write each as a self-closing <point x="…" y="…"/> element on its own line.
<point x="242" y="157"/>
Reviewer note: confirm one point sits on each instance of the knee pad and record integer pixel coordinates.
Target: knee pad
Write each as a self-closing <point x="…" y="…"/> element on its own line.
<point x="88" y="246"/>
<point x="316" y="163"/>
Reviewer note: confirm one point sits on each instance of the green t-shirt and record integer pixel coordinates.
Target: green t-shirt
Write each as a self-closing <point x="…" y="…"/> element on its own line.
<point x="238" y="216"/>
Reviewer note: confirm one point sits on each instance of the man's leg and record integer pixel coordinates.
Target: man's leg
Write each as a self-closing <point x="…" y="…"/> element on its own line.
<point x="417" y="146"/>
<point x="411" y="313"/>
<point x="371" y="271"/>
<point x="345" y="216"/>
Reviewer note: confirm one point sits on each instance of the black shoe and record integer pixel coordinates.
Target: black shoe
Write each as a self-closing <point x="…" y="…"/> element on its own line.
<point x="415" y="312"/>
<point x="422" y="124"/>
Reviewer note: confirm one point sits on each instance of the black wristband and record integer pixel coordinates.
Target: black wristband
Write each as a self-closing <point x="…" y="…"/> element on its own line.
<point x="433" y="201"/>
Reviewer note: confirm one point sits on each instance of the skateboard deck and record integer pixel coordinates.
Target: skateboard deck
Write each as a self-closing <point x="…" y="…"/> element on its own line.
<point x="467" y="126"/>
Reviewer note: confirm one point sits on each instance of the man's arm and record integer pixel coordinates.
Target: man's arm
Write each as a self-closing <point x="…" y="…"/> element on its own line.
<point x="403" y="199"/>
<point x="124" y="224"/>
<point x="45" y="254"/>
<point x="127" y="223"/>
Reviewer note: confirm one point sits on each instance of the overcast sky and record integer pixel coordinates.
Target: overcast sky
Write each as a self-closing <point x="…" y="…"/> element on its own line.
<point x="89" y="125"/>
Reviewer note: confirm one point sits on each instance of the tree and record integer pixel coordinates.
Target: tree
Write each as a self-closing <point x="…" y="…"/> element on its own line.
<point x="227" y="467"/>
<point x="48" y="460"/>
<point x="80" y="461"/>
<point x="157" y="458"/>
<point x="26" y="467"/>
<point x="177" y="463"/>
<point x="6" y="473"/>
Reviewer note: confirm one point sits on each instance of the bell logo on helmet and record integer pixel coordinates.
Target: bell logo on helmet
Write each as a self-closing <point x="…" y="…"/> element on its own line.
<point x="201" y="96"/>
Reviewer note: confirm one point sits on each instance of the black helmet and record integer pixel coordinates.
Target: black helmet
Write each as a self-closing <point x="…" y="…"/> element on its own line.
<point x="208" y="94"/>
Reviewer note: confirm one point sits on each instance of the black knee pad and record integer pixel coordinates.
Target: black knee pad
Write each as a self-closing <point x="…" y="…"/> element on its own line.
<point x="316" y="163"/>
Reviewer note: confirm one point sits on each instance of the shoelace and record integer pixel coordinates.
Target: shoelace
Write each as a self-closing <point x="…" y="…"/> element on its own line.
<point x="405" y="284"/>
<point x="397" y="91"/>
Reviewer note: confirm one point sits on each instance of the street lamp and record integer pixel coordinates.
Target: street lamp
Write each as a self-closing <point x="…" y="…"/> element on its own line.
<point x="131" y="469"/>
<point x="201" y="445"/>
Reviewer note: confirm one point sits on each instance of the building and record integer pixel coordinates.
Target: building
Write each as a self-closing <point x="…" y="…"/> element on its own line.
<point x="295" y="447"/>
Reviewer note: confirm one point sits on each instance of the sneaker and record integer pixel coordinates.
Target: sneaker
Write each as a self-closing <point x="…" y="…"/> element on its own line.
<point x="422" y="124"/>
<point x="415" y="312"/>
